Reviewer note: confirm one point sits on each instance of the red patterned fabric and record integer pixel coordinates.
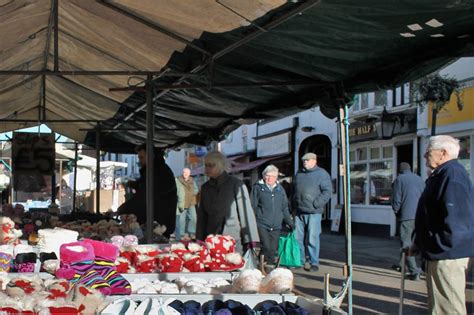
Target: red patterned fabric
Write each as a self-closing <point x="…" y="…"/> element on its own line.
<point x="170" y="263"/>
<point x="146" y="264"/>
<point x="220" y="244"/>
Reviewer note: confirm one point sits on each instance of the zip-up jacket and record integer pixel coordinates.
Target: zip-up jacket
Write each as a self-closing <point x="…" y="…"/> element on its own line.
<point x="444" y="224"/>
<point x="312" y="190"/>
<point x="270" y="206"/>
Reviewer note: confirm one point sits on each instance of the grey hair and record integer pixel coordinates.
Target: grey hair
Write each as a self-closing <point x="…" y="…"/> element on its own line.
<point x="404" y="166"/>
<point x="270" y="169"/>
<point x="218" y="159"/>
<point x="445" y="142"/>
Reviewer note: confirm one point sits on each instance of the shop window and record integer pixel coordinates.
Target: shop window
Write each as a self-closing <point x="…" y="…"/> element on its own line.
<point x="380" y="189"/>
<point x="465" y="153"/>
<point x="362" y="154"/>
<point x="352" y="156"/>
<point x="380" y="98"/>
<point x="375" y="153"/>
<point x="358" y="176"/>
<point x="364" y="101"/>
<point x="371" y="181"/>
<point x="387" y="152"/>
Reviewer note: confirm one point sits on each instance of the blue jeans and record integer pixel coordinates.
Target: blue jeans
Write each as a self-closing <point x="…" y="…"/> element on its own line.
<point x="186" y="222"/>
<point x="309" y="224"/>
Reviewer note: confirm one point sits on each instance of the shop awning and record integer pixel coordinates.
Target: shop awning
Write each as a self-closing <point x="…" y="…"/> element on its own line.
<point x="215" y="65"/>
<point x="253" y="164"/>
<point x="241" y="166"/>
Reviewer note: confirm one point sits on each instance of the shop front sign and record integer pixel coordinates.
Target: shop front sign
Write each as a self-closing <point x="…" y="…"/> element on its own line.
<point x="359" y="131"/>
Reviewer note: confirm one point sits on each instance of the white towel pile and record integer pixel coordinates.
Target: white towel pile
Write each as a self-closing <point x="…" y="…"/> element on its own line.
<point x="49" y="240"/>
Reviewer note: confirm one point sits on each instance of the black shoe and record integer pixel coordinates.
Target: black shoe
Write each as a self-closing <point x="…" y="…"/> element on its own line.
<point x="413" y="277"/>
<point x="397" y="268"/>
<point x="314" y="268"/>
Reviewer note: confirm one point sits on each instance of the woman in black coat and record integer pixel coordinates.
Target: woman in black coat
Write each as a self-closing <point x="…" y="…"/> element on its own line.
<point x="270" y="204"/>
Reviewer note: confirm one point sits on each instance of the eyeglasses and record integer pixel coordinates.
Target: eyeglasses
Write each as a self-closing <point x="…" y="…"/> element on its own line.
<point x="428" y="151"/>
<point x="267" y="175"/>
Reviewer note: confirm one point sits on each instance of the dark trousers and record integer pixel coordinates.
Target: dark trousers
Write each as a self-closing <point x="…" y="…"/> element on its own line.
<point x="269" y="242"/>
<point x="406" y="231"/>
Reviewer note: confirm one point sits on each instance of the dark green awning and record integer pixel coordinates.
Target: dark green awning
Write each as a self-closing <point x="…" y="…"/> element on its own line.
<point x="293" y="55"/>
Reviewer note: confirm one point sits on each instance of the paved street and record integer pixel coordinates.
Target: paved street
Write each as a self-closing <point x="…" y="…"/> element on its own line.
<point x="376" y="287"/>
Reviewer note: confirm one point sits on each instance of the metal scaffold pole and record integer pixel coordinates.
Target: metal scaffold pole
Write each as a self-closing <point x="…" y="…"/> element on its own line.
<point x="97" y="170"/>
<point x="149" y="160"/>
<point x="344" y="134"/>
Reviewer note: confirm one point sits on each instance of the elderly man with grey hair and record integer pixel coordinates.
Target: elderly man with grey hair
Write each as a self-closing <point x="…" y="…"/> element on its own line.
<point x="270" y="203"/>
<point x="406" y="191"/>
<point x="444" y="227"/>
<point x="312" y="191"/>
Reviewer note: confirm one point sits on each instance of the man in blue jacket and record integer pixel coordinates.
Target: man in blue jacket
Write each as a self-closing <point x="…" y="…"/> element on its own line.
<point x="406" y="191"/>
<point x="312" y="191"/>
<point x="444" y="227"/>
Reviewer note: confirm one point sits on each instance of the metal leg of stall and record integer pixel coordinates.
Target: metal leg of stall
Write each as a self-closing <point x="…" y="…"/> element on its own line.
<point x="97" y="170"/>
<point x="74" y="192"/>
<point x="149" y="160"/>
<point x="344" y="134"/>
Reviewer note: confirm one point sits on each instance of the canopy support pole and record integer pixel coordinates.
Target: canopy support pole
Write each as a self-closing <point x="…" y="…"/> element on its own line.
<point x="56" y="35"/>
<point x="53" y="176"/>
<point x="345" y="170"/>
<point x="149" y="160"/>
<point x="74" y="191"/>
<point x="97" y="170"/>
<point x="60" y="191"/>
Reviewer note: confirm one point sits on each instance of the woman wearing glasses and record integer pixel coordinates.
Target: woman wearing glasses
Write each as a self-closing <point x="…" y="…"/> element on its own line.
<point x="225" y="206"/>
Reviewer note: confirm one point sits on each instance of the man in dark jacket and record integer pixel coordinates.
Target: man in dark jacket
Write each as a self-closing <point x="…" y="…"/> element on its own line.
<point x="165" y="195"/>
<point x="270" y="204"/>
<point x="406" y="191"/>
<point x="311" y="193"/>
<point x="444" y="227"/>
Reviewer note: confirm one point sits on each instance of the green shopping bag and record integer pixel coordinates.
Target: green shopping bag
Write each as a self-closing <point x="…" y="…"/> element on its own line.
<point x="289" y="251"/>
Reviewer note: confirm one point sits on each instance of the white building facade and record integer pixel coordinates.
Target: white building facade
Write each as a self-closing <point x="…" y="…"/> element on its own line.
<point x="386" y="128"/>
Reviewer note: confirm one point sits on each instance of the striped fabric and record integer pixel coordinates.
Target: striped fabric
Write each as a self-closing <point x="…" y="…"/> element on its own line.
<point x="106" y="268"/>
<point x="5" y="262"/>
<point x="87" y="275"/>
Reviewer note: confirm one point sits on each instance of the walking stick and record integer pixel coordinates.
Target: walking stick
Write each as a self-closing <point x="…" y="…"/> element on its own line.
<point x="402" y="285"/>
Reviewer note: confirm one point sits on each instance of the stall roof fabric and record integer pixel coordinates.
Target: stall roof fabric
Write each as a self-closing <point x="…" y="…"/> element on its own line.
<point x="215" y="64"/>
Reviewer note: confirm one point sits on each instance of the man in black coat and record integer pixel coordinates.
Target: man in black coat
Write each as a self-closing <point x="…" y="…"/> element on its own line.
<point x="165" y="194"/>
<point x="444" y="227"/>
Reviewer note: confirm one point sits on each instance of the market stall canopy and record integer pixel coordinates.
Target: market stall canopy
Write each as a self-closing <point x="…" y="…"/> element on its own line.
<point x="215" y="64"/>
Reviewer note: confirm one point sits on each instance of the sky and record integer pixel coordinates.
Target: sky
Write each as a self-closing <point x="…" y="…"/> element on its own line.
<point x="6" y="136"/>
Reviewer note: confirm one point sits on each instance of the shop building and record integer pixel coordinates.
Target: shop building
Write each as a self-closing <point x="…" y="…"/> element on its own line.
<point x="386" y="128"/>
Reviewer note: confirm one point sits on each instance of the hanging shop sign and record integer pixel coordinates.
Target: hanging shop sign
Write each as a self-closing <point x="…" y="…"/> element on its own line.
<point x="359" y="131"/>
<point x="274" y="144"/>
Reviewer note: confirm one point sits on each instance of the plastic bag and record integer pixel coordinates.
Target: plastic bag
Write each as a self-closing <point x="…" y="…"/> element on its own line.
<point x="250" y="258"/>
<point x="289" y="251"/>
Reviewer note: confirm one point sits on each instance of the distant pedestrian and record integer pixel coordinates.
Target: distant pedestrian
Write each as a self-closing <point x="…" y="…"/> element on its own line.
<point x="65" y="194"/>
<point x="406" y="191"/>
<point x="4" y="184"/>
<point x="270" y="204"/>
<point x="225" y="206"/>
<point x="186" y="216"/>
<point x="312" y="191"/>
<point x="444" y="227"/>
